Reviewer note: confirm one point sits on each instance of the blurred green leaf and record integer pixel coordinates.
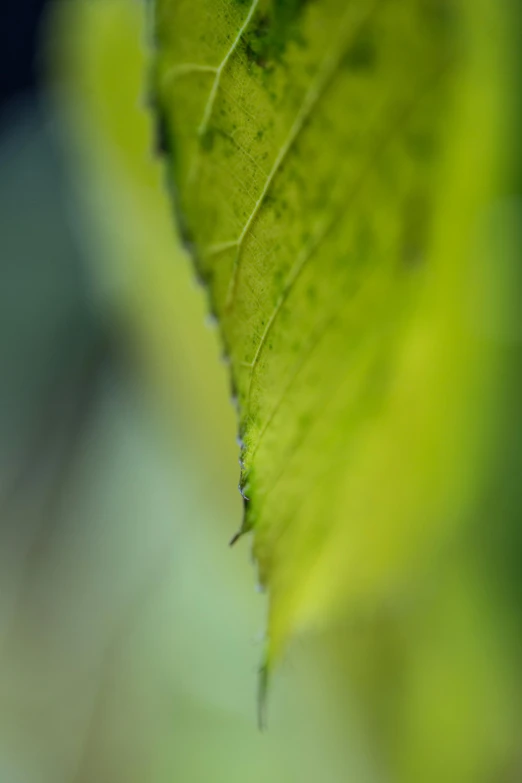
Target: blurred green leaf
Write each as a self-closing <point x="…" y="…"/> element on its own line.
<point x="331" y="183"/>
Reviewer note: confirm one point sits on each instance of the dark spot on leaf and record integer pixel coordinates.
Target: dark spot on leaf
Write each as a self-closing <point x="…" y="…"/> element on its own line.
<point x="207" y="139"/>
<point x="268" y="37"/>
<point x="421" y="145"/>
<point x="362" y="53"/>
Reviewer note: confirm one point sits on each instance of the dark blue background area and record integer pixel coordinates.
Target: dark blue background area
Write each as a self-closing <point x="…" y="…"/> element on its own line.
<point x="20" y="22"/>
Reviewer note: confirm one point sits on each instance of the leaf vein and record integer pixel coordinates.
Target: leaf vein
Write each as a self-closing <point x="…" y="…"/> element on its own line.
<point x="209" y="107"/>
<point x="325" y="228"/>
<point x="327" y="71"/>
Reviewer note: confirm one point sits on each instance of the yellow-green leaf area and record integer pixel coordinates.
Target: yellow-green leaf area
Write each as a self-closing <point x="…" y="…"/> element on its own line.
<point x="329" y="179"/>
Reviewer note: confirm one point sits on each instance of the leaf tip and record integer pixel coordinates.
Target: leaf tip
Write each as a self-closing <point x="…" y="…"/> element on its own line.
<point x="235" y="538"/>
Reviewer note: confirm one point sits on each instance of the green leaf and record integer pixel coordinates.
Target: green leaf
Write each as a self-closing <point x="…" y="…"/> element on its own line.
<point x="332" y="163"/>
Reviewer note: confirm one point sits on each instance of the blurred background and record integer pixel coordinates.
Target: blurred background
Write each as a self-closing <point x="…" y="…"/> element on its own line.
<point x="130" y="634"/>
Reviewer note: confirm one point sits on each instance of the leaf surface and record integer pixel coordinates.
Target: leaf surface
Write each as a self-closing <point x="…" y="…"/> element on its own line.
<point x="329" y="180"/>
